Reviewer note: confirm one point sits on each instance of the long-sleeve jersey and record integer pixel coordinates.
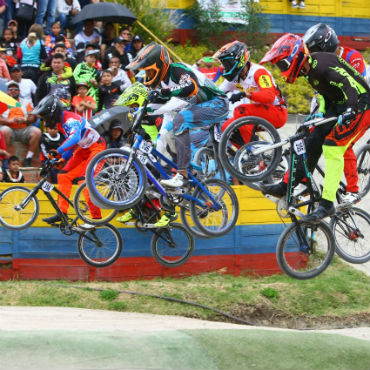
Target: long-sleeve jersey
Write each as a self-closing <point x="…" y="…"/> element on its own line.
<point x="77" y="131"/>
<point x="259" y="85"/>
<point x="354" y="58"/>
<point x="186" y="82"/>
<point x="336" y="81"/>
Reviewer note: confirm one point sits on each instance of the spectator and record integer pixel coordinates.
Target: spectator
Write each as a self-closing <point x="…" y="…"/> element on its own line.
<point x="9" y="43"/>
<point x="108" y="35"/>
<point x="24" y="25"/>
<point x="116" y="50"/>
<point x="118" y="74"/>
<point x="207" y="65"/>
<point x="59" y="82"/>
<point x="48" y="8"/>
<point x="3" y="150"/>
<point x="137" y="44"/>
<point x="16" y="125"/>
<point x="88" y="35"/>
<point x="30" y="54"/>
<point x="66" y="9"/>
<point x="54" y="37"/>
<point x="39" y="30"/>
<point x="114" y="137"/>
<point x="51" y="139"/>
<point x="86" y="72"/>
<point x="9" y="13"/>
<point x="83" y="104"/>
<point x="13" y="25"/>
<point x="27" y="87"/>
<point x="60" y="48"/>
<point x="12" y="174"/>
<point x="4" y="72"/>
<point x="81" y="51"/>
<point x="125" y="35"/>
<point x="108" y="91"/>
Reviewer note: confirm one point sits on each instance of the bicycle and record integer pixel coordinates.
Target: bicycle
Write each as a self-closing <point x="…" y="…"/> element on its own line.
<point x="117" y="178"/>
<point x="19" y="208"/>
<point x="363" y="168"/>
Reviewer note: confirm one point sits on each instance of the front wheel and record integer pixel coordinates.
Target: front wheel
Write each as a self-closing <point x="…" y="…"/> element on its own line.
<point x="100" y="246"/>
<point x="172" y="246"/>
<point x="87" y="211"/>
<point x="18" y="210"/>
<point x="305" y="250"/>
<point x="113" y="186"/>
<point x="216" y="209"/>
<point x="211" y="166"/>
<point x="363" y="169"/>
<point x="239" y="142"/>
<point x="351" y="229"/>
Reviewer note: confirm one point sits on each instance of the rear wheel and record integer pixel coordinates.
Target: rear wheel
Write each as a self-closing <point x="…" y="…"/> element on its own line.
<point x="363" y="169"/>
<point x="211" y="166"/>
<point x="172" y="246"/>
<point x="305" y="250"/>
<point x="17" y="209"/>
<point x="100" y="246"/>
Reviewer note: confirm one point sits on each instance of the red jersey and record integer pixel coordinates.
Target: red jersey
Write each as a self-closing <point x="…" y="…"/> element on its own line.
<point x="354" y="58"/>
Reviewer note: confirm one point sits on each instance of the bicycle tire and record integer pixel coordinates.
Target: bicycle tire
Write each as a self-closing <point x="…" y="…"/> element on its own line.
<point x="81" y="207"/>
<point x="206" y="218"/>
<point x="363" y="169"/>
<point x="211" y="166"/>
<point x="101" y="255"/>
<point x="296" y="262"/>
<point x="9" y="214"/>
<point x="107" y="188"/>
<point x="187" y="221"/>
<point x="252" y="171"/>
<point x="173" y="256"/>
<point x="351" y="227"/>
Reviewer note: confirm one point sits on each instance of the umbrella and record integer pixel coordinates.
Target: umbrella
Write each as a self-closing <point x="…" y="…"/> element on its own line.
<point x="7" y="100"/>
<point x="109" y="12"/>
<point x="102" y="120"/>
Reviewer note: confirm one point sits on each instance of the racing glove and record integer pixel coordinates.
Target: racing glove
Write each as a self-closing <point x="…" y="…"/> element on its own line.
<point x="314" y="116"/>
<point x="60" y="163"/>
<point x="52" y="154"/>
<point x="236" y="97"/>
<point x="347" y="117"/>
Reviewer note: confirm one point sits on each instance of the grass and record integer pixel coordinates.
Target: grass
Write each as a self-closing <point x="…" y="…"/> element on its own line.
<point x="339" y="292"/>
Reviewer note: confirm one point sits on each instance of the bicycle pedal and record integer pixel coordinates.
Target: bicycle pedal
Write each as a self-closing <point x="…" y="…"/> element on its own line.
<point x="150" y="226"/>
<point x="272" y="198"/>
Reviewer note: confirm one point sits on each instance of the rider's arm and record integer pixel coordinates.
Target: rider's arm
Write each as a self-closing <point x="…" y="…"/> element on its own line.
<point x="186" y="82"/>
<point x="266" y="92"/>
<point x="73" y="138"/>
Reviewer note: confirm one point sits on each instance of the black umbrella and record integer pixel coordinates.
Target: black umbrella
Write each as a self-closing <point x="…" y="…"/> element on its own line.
<point x="109" y="12"/>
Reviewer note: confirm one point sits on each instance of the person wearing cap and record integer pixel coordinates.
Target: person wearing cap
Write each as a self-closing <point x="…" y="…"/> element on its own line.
<point x="86" y="72"/>
<point x="13" y="25"/>
<point x="4" y="72"/>
<point x="137" y="44"/>
<point x="83" y="104"/>
<point x="30" y="54"/>
<point x="60" y="48"/>
<point x="16" y="124"/>
<point x="116" y="50"/>
<point x="114" y="137"/>
<point x="27" y="86"/>
<point x="88" y="35"/>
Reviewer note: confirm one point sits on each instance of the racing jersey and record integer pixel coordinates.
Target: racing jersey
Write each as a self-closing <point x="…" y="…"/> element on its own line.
<point x="77" y="131"/>
<point x="354" y="58"/>
<point x="337" y="82"/>
<point x="259" y="85"/>
<point x="186" y="82"/>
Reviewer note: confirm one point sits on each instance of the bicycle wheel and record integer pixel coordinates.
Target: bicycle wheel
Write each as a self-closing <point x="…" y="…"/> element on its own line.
<point x="215" y="219"/>
<point x="305" y="250"/>
<point x="108" y="186"/>
<point x="249" y="167"/>
<point x="211" y="166"/>
<point x="15" y="213"/>
<point x="100" y="246"/>
<point x="82" y="205"/>
<point x="351" y="229"/>
<point x="363" y="169"/>
<point x="189" y="224"/>
<point x="173" y="245"/>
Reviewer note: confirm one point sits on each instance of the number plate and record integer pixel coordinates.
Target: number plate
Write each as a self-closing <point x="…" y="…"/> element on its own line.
<point x="46" y="186"/>
<point x="142" y="158"/>
<point x="217" y="134"/>
<point x="299" y="147"/>
<point x="145" y="147"/>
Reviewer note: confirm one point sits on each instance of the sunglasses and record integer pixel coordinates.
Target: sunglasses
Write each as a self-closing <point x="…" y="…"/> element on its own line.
<point x="13" y="89"/>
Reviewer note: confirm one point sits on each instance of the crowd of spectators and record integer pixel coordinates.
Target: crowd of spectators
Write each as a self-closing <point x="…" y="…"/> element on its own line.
<point x="82" y="64"/>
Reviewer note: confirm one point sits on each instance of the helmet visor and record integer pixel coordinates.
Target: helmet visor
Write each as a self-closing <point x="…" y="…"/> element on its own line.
<point x="228" y="63"/>
<point x="283" y="65"/>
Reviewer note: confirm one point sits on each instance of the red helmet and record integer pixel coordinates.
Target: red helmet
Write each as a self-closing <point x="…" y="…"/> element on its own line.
<point x="289" y="53"/>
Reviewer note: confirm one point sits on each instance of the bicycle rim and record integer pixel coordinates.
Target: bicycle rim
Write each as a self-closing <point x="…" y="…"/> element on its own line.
<point x="189" y="224"/>
<point x="363" y="169"/>
<point x="101" y="246"/>
<point x="351" y="230"/>
<point x="305" y="250"/>
<point x="205" y="158"/>
<point x="172" y="246"/>
<point x="12" y="216"/>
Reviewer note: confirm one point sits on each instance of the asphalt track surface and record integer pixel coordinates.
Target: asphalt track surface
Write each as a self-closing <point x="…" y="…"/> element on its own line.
<point x="72" y="338"/>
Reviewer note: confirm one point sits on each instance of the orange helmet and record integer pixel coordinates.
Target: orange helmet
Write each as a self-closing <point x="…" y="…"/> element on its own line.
<point x="234" y="57"/>
<point x="153" y="57"/>
<point x="289" y="53"/>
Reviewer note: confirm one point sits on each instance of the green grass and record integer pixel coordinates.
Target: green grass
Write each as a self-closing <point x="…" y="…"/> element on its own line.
<point x="339" y="292"/>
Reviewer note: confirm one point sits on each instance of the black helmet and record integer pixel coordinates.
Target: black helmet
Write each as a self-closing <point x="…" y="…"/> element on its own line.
<point x="50" y="109"/>
<point x="321" y="37"/>
<point x="154" y="58"/>
<point x="234" y="57"/>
